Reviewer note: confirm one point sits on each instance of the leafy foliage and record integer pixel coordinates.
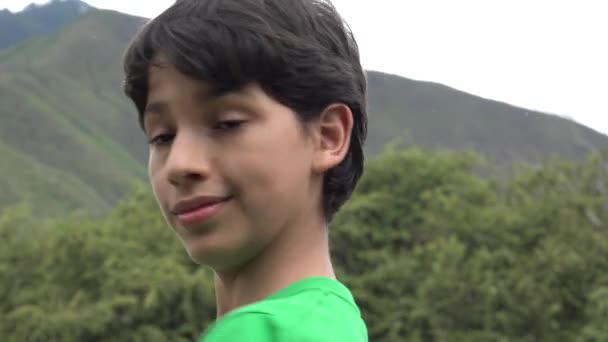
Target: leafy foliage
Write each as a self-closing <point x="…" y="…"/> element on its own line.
<point x="434" y="253"/>
<point x="123" y="278"/>
<point x="431" y="250"/>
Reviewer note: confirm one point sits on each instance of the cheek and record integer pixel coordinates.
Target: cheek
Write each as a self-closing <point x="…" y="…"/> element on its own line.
<point x="274" y="175"/>
<point x="159" y="187"/>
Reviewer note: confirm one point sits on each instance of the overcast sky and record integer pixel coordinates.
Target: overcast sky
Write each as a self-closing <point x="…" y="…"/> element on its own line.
<point x="547" y="55"/>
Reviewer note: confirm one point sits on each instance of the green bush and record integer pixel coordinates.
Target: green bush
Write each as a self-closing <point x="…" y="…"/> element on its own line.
<point x="435" y="253"/>
<point x="431" y="250"/>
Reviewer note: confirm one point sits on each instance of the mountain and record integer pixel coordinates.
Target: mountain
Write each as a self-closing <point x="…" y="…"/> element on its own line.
<point x="69" y="138"/>
<point x="64" y="118"/>
<point x="35" y="20"/>
<point x="437" y="116"/>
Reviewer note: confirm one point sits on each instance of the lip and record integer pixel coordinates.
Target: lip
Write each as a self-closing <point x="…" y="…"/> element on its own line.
<point x="198" y="209"/>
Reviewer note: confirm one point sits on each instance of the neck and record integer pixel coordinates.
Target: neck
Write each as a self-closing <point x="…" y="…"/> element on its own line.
<point x="295" y="255"/>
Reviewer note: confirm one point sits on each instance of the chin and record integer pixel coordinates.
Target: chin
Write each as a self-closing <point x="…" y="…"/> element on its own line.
<point x="209" y="256"/>
<point x="217" y="258"/>
<point x="197" y="260"/>
<point x="198" y="255"/>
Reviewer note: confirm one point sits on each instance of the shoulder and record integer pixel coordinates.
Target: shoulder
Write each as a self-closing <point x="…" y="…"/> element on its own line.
<point x="318" y="318"/>
<point x="317" y="310"/>
<point x="244" y="326"/>
<point x="261" y="327"/>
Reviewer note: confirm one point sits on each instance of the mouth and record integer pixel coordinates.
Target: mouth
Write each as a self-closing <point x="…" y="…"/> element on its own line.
<point x="197" y="210"/>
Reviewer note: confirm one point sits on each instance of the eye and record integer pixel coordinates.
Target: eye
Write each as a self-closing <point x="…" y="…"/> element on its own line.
<point x="161" y="139"/>
<point x="229" y="124"/>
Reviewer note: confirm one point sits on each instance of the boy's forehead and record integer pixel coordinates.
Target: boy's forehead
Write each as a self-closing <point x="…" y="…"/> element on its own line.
<point x="161" y="72"/>
<point x="159" y="67"/>
<point x="160" y="58"/>
<point x="164" y="78"/>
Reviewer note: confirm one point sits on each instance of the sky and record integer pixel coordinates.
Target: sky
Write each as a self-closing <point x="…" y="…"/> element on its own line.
<point x="546" y="55"/>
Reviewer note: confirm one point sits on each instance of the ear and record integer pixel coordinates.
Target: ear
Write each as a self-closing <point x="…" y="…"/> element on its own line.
<point x="334" y="133"/>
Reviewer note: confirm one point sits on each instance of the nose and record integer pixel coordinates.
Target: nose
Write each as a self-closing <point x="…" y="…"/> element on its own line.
<point x="187" y="162"/>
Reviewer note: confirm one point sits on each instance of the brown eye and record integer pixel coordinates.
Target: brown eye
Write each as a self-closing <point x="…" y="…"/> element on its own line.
<point x="161" y="139"/>
<point x="229" y="124"/>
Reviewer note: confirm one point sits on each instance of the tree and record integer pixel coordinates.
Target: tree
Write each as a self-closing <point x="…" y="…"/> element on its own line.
<point x="432" y="251"/>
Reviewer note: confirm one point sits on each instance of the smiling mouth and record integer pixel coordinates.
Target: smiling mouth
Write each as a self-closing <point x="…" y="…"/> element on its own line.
<point x="198" y="210"/>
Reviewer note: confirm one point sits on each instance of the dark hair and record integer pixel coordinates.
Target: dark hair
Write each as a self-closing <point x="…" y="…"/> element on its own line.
<point x="300" y="52"/>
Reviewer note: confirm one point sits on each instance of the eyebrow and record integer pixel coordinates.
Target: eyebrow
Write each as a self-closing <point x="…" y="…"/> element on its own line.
<point x="158" y="108"/>
<point x="161" y="108"/>
<point x="154" y="108"/>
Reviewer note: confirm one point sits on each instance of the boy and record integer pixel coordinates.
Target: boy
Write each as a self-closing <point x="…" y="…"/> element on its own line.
<point x="255" y="111"/>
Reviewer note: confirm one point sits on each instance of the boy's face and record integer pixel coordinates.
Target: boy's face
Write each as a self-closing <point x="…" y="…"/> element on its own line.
<point x="230" y="173"/>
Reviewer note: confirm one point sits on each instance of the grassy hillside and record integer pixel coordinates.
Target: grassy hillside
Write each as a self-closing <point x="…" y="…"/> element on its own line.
<point x="37" y="19"/>
<point x="437" y="116"/>
<point x="49" y="190"/>
<point x="69" y="138"/>
<point x="66" y="112"/>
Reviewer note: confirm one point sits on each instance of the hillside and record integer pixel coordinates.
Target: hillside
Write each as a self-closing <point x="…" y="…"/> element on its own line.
<point x="65" y="111"/>
<point x="36" y="20"/>
<point x="437" y="116"/>
<point x="69" y="138"/>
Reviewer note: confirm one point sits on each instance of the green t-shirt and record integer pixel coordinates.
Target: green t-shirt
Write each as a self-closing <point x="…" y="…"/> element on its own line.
<point x="314" y="309"/>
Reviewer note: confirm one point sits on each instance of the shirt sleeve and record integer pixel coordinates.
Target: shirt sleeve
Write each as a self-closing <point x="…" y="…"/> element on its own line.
<point x="248" y="326"/>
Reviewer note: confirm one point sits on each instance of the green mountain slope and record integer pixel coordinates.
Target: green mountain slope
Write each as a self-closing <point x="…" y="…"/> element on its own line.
<point x="35" y="20"/>
<point x="50" y="191"/>
<point x="69" y="138"/>
<point x="437" y="116"/>
<point x="65" y="110"/>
